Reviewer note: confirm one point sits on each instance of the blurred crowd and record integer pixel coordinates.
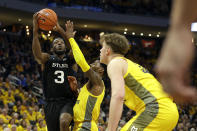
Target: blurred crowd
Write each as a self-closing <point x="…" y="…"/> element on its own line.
<point x="130" y="7"/>
<point x="20" y="109"/>
<point x="21" y="102"/>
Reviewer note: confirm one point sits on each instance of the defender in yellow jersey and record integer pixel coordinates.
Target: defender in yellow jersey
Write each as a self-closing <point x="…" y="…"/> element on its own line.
<point x="134" y="86"/>
<point x="87" y="107"/>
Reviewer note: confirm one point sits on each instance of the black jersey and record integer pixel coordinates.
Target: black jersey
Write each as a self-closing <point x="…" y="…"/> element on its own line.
<point x="55" y="82"/>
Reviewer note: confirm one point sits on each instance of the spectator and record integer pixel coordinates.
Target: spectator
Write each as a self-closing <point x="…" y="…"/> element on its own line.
<point x="1" y="123"/>
<point x="4" y="115"/>
<point x="19" y="67"/>
<point x="23" y="81"/>
<point x="2" y="70"/>
<point x="14" y="128"/>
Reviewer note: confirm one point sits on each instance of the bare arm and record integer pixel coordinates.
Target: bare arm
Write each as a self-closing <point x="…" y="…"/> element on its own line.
<point x="40" y="57"/>
<point x="177" y="53"/>
<point x="115" y="73"/>
<point x="94" y="77"/>
<point x="184" y="12"/>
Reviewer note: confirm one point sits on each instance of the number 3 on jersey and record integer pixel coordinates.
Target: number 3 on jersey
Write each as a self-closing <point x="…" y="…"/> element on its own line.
<point x="60" y="77"/>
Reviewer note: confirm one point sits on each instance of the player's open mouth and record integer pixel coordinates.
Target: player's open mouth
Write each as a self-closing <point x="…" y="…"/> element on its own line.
<point x="59" y="47"/>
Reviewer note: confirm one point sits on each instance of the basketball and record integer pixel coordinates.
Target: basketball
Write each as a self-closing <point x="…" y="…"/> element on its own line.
<point x="47" y="19"/>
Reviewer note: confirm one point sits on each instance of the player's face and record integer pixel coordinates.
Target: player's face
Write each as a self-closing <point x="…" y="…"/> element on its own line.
<point x="103" y="52"/>
<point x="97" y="67"/>
<point x="59" y="46"/>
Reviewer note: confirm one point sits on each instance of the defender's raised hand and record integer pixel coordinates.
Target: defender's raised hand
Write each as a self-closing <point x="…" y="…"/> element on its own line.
<point x="70" y="33"/>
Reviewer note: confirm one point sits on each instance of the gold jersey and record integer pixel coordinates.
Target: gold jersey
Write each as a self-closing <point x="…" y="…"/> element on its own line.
<point x="87" y="110"/>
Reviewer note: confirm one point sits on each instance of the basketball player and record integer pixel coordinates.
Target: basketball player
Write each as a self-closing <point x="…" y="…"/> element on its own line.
<point x="178" y="52"/>
<point x="134" y="86"/>
<point x="87" y="107"/>
<point x="59" y="97"/>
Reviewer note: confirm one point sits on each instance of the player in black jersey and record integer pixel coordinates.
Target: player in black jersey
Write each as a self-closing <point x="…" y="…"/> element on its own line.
<point x="56" y="68"/>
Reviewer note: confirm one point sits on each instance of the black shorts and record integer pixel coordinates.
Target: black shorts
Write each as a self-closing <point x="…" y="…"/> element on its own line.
<point x="53" y="110"/>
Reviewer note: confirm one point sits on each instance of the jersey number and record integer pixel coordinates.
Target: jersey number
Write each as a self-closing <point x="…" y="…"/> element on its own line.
<point x="60" y="77"/>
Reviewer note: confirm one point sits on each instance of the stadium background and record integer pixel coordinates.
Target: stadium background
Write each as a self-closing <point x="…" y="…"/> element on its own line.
<point x="144" y="22"/>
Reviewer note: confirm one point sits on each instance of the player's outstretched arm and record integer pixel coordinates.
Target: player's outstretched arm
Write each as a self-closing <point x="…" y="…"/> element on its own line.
<point x="94" y="77"/>
<point x="40" y="57"/>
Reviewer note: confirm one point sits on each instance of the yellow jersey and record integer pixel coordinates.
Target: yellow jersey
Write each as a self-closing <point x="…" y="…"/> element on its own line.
<point x="144" y="94"/>
<point x="41" y="128"/>
<point x="141" y="87"/>
<point x="87" y="109"/>
<point x="1" y="128"/>
<point x="6" y="118"/>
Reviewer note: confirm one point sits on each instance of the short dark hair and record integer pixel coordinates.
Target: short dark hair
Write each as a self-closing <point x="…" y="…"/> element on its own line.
<point x="56" y="39"/>
<point x="117" y="42"/>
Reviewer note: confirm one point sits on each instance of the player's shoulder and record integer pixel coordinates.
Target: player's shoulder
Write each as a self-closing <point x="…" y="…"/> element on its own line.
<point x="120" y="59"/>
<point x="117" y="65"/>
<point x="117" y="62"/>
<point x="51" y="58"/>
<point x="114" y="65"/>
